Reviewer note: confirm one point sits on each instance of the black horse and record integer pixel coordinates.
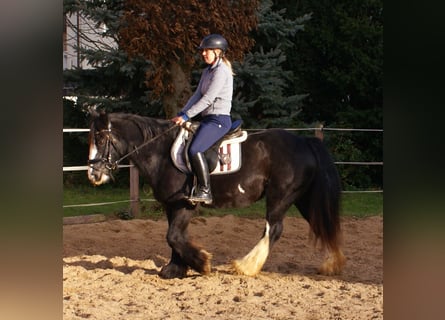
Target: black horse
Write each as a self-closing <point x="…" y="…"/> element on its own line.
<point x="284" y="168"/>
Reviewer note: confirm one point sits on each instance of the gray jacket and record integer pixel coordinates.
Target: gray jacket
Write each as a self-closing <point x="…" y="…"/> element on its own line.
<point x="214" y="92"/>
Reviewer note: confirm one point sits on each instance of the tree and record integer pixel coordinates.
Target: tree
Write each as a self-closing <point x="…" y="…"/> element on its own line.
<point x="264" y="93"/>
<point x="340" y="62"/>
<point x="167" y="34"/>
<point x="114" y="82"/>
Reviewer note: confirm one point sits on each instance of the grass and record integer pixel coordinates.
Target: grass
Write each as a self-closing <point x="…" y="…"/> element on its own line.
<point x="353" y="204"/>
<point x="362" y="204"/>
<point x="81" y="195"/>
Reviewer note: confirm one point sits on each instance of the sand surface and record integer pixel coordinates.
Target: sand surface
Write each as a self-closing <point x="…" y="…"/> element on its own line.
<point x="110" y="272"/>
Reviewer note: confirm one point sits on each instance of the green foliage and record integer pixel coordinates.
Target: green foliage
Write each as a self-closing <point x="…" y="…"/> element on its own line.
<point x="118" y="86"/>
<point x="274" y="29"/>
<point x="259" y="93"/>
<point x="340" y="61"/>
<point x="339" y="64"/>
<point x="346" y="147"/>
<point x="116" y="83"/>
<point x="262" y="84"/>
<point x="100" y="12"/>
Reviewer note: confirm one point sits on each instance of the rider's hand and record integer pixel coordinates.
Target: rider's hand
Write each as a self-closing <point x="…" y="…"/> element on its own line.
<point x="179" y="120"/>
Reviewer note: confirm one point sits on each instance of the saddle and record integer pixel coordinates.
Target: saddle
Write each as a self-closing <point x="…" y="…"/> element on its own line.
<point x="222" y="158"/>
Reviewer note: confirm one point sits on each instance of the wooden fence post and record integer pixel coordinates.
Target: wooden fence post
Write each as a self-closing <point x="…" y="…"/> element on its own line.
<point x="319" y="132"/>
<point x="134" y="191"/>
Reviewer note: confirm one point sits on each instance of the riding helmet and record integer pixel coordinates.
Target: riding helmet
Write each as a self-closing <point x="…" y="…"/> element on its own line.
<point x="214" y="41"/>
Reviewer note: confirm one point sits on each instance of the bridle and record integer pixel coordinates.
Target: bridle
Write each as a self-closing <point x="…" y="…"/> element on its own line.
<point x="110" y="165"/>
<point x="107" y="159"/>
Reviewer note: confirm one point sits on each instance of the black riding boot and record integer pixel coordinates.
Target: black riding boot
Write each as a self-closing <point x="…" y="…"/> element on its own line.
<point x="200" y="168"/>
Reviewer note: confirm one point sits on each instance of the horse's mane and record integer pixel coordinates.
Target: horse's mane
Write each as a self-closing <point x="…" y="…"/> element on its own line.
<point x="149" y="127"/>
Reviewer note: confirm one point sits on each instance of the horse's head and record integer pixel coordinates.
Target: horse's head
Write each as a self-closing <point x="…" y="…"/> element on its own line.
<point x="103" y="152"/>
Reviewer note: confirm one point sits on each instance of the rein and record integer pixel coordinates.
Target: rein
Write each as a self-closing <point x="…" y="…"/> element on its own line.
<point x="113" y="166"/>
<point x="136" y="149"/>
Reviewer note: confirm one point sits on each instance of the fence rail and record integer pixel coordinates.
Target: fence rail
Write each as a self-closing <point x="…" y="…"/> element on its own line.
<point x="134" y="175"/>
<point x="84" y="168"/>
<point x="75" y="130"/>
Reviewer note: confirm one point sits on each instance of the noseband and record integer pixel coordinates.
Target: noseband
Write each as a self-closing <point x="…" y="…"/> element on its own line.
<point x="114" y="165"/>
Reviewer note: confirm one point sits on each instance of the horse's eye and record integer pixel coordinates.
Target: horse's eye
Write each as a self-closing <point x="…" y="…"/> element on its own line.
<point x="100" y="140"/>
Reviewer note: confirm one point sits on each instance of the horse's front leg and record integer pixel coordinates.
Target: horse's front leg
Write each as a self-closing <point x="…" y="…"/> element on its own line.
<point x="185" y="254"/>
<point x="176" y="268"/>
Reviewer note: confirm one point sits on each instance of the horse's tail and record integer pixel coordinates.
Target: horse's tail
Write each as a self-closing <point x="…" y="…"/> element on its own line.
<point x="323" y="198"/>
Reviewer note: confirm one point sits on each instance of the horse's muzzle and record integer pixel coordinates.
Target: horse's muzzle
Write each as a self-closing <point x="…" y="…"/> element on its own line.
<point x="98" y="173"/>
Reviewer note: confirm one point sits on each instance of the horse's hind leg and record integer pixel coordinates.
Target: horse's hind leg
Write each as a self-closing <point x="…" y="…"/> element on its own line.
<point x="335" y="259"/>
<point x="253" y="262"/>
<point x="185" y="254"/>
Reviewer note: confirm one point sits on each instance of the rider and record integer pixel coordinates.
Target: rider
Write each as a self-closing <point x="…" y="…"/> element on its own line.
<point x="213" y="100"/>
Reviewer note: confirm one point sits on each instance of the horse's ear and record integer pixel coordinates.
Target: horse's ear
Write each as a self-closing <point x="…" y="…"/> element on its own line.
<point x="93" y="112"/>
<point x="99" y="118"/>
<point x="102" y="119"/>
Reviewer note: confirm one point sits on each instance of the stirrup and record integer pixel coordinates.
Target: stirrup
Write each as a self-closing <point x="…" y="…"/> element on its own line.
<point x="200" y="197"/>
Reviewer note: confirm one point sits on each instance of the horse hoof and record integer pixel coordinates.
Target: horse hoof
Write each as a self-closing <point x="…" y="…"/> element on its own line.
<point x="172" y="271"/>
<point x="333" y="264"/>
<point x="207" y="266"/>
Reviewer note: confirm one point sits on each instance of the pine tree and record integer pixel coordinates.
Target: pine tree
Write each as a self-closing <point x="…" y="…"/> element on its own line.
<point x="115" y="82"/>
<point x="340" y="62"/>
<point x="264" y="95"/>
